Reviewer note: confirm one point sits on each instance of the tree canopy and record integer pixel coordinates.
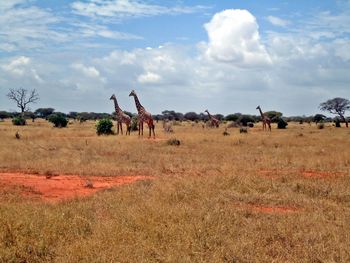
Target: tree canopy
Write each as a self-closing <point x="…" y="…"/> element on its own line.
<point x="336" y="106"/>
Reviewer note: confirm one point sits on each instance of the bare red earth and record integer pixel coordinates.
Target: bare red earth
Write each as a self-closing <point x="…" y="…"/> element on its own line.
<point x="56" y="188"/>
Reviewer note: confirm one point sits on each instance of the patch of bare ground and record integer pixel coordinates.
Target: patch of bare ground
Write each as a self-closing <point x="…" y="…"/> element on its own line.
<point x="54" y="188"/>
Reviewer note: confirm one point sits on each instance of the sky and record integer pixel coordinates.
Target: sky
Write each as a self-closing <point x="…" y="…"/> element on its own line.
<point x="226" y="56"/>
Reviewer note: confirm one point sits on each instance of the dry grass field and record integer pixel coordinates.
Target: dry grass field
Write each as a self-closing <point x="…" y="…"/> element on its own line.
<point x="282" y="196"/>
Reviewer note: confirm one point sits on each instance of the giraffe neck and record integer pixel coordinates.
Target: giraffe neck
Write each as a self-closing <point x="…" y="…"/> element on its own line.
<point x="116" y="106"/>
<point x="138" y="104"/>
<point x="261" y="113"/>
<point x="209" y="115"/>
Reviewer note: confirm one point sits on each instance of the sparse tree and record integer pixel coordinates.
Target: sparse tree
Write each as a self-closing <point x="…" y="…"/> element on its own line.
<point x="337" y="106"/>
<point x="319" y="118"/>
<point x="44" y="112"/>
<point x="23" y="98"/>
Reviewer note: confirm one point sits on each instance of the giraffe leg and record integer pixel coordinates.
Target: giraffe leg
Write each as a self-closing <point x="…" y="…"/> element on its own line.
<point x="154" y="135"/>
<point x="142" y="129"/>
<point x="121" y="128"/>
<point x="118" y="128"/>
<point x="129" y="127"/>
<point x="139" y="129"/>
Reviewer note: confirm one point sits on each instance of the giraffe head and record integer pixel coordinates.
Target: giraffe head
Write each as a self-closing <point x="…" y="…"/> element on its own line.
<point x="112" y="97"/>
<point x="206" y="111"/>
<point x="258" y="108"/>
<point x="132" y="93"/>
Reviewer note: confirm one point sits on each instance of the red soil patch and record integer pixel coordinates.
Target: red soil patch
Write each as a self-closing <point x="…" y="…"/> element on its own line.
<point x="63" y="187"/>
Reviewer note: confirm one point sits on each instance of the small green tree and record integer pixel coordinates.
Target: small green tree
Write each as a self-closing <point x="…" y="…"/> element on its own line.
<point x="274" y="115"/>
<point x="19" y="121"/>
<point x="134" y="124"/>
<point x="104" y="126"/>
<point x="281" y="123"/>
<point x="58" y="119"/>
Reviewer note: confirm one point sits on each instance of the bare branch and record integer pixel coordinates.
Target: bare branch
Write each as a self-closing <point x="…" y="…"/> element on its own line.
<point x="20" y="96"/>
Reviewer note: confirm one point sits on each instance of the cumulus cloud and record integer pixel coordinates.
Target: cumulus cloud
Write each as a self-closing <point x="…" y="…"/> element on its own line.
<point x="149" y="77"/>
<point x="277" y="21"/>
<point x="234" y="38"/>
<point x="22" y="67"/>
<point x="91" y="72"/>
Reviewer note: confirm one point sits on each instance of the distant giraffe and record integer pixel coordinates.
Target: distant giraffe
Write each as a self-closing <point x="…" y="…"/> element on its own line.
<point x="214" y="121"/>
<point x="265" y="119"/>
<point x="121" y="117"/>
<point x="143" y="116"/>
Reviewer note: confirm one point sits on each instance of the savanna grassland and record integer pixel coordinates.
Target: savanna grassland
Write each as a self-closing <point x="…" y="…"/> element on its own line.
<point x="282" y="196"/>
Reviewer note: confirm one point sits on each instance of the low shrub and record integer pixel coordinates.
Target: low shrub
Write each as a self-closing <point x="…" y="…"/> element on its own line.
<point x="243" y="130"/>
<point x="320" y="125"/>
<point x="19" y="121"/>
<point x="281" y="123"/>
<point x="58" y="120"/>
<point x="173" y="141"/>
<point x="134" y="124"/>
<point x="104" y="127"/>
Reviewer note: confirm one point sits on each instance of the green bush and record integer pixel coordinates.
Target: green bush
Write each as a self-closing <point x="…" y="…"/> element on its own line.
<point x="19" y="121"/>
<point x="58" y="120"/>
<point x="173" y="141"/>
<point x="104" y="126"/>
<point x="281" y="123"/>
<point x="134" y="124"/>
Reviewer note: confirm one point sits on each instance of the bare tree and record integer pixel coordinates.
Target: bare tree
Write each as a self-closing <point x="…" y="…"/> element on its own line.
<point x="23" y="98"/>
<point x="337" y="106"/>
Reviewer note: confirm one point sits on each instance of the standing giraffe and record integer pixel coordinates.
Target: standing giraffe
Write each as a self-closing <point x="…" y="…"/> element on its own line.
<point x="121" y="117"/>
<point x="265" y="119"/>
<point x="143" y="116"/>
<point x="214" y="121"/>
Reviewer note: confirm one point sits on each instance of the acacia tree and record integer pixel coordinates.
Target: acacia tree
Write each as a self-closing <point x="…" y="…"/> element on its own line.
<point x="337" y="106"/>
<point x="23" y="98"/>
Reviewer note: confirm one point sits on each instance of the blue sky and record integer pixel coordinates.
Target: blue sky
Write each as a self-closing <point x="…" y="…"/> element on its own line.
<point x="225" y="56"/>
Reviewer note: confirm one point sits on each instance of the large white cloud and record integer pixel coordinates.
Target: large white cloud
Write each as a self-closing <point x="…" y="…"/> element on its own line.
<point x="234" y="38"/>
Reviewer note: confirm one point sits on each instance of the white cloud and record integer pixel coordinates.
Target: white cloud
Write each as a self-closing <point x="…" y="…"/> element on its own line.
<point x="91" y="72"/>
<point x="120" y="9"/>
<point x="24" y="28"/>
<point x="17" y="65"/>
<point x="149" y="77"/>
<point x="342" y="49"/>
<point x="8" y="4"/>
<point x="95" y="30"/>
<point x="21" y="67"/>
<point x="278" y="21"/>
<point x="234" y="38"/>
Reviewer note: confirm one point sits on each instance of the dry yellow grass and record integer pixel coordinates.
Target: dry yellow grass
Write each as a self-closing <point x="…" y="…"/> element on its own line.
<point x="200" y="207"/>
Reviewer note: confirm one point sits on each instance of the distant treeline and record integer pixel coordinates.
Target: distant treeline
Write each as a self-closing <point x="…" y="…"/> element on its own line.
<point x="275" y="116"/>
